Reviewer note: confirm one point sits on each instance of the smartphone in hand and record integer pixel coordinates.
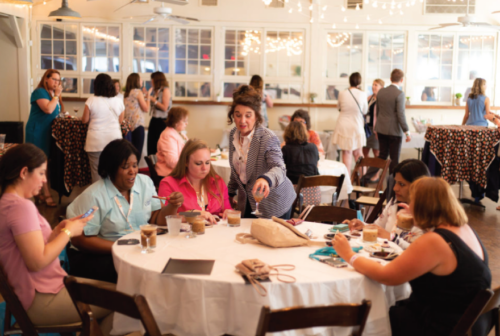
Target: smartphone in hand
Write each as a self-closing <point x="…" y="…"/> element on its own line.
<point x="90" y="211"/>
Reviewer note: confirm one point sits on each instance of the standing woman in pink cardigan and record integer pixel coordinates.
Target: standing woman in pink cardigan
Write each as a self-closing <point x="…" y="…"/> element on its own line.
<point x="171" y="141"/>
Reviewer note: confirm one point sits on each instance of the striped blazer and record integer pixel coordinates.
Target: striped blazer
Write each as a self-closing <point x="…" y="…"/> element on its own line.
<point x="264" y="159"/>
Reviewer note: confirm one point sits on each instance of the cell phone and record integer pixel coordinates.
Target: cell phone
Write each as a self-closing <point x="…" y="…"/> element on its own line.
<point x="330" y="236"/>
<point x="90" y="211"/>
<point x="128" y="241"/>
<point x="335" y="262"/>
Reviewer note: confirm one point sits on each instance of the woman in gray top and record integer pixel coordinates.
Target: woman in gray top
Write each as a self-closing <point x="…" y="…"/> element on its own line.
<point x="161" y="102"/>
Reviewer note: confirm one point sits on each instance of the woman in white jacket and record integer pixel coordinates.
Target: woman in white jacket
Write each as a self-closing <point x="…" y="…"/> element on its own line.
<point x="104" y="114"/>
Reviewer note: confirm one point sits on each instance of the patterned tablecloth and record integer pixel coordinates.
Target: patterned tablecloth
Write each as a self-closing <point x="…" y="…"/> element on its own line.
<point x="6" y="147"/>
<point x="464" y="152"/>
<point x="70" y="135"/>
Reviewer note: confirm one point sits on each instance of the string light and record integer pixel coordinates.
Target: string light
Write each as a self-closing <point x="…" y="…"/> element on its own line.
<point x="379" y="21"/>
<point x="357" y="26"/>
<point x="311" y="7"/>
<point x="357" y="7"/>
<point x="368" y="17"/>
<point x="324" y="8"/>
<point x="338" y="39"/>
<point x="345" y="18"/>
<point x="312" y="20"/>
<point x="334" y="26"/>
<point x="401" y="12"/>
<point x="343" y="9"/>
<point x="267" y="2"/>
<point x="291" y="45"/>
<point x="291" y="10"/>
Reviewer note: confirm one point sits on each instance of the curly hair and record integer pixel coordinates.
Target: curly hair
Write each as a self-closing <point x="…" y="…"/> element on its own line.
<point x="304" y="115"/>
<point x="247" y="96"/>
<point x="104" y="86"/>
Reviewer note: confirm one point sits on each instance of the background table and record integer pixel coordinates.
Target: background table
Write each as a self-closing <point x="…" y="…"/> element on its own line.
<point x="6" y="147"/>
<point x="221" y="303"/>
<point x="325" y="167"/>
<point x="464" y="153"/>
<point x="417" y="142"/>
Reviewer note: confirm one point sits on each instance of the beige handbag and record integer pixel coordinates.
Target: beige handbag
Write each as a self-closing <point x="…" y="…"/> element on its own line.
<point x="254" y="270"/>
<point x="275" y="233"/>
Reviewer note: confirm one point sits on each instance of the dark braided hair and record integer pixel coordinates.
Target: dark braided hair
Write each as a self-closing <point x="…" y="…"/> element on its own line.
<point x="15" y="159"/>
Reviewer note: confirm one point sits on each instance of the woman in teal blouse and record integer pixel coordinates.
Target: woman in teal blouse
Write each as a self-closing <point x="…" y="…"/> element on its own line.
<point x="46" y="103"/>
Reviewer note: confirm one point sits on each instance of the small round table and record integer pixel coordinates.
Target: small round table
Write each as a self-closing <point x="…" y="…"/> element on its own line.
<point x="221" y="303"/>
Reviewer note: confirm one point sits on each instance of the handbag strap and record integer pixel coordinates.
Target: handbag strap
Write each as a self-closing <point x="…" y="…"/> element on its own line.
<point x="244" y="238"/>
<point x="284" y="267"/>
<point x="359" y="107"/>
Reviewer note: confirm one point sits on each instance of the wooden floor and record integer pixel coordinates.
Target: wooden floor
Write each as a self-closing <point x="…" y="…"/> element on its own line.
<point x="485" y="222"/>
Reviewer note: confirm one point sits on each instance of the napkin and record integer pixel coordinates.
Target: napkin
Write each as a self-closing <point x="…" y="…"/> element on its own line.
<point x="328" y="251"/>
<point x="340" y="228"/>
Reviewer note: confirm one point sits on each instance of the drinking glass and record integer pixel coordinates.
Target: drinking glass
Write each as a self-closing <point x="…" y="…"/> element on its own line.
<point x="174" y="225"/>
<point x="258" y="196"/>
<point x="191" y="233"/>
<point x="233" y="218"/>
<point x="75" y="109"/>
<point x="2" y="141"/>
<point x="147" y="232"/>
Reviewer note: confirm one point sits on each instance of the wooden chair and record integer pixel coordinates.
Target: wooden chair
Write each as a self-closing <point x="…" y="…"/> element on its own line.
<point x="151" y="162"/>
<point x="84" y="294"/>
<point x="330" y="214"/>
<point x="493" y="307"/>
<point x="377" y="209"/>
<point x="472" y="313"/>
<point x="23" y="324"/>
<point x="317" y="181"/>
<point x="341" y="315"/>
<point x="357" y="174"/>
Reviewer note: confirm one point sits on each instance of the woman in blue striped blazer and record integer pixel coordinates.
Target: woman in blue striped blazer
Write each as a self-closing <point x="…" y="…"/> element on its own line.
<point x="256" y="160"/>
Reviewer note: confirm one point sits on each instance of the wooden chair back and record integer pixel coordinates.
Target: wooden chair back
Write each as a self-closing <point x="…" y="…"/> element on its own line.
<point x="318" y="181"/>
<point x="377" y="209"/>
<point x="362" y="162"/>
<point x="493" y="307"/>
<point x="330" y="214"/>
<point x="151" y="162"/>
<point x="23" y="323"/>
<point x="472" y="313"/>
<point x="84" y="294"/>
<point x="341" y="315"/>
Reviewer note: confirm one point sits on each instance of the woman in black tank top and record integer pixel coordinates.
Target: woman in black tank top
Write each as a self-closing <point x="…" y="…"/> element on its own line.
<point x="446" y="267"/>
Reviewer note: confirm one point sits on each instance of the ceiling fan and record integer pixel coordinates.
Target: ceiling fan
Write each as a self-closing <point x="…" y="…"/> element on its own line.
<point x="164" y="13"/>
<point x="174" y="2"/>
<point x="468" y="21"/>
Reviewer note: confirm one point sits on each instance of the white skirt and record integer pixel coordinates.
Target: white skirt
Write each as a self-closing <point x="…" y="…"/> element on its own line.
<point x="349" y="134"/>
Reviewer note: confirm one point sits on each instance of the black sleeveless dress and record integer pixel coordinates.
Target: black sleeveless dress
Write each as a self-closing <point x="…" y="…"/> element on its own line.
<point x="437" y="302"/>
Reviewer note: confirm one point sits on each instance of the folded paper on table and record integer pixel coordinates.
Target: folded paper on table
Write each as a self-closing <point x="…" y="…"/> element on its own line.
<point x="188" y="266"/>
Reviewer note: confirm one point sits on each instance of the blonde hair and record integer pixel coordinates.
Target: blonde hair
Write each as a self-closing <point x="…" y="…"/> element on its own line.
<point x="478" y="88"/>
<point x="434" y="203"/>
<point x="181" y="169"/>
<point x="380" y="82"/>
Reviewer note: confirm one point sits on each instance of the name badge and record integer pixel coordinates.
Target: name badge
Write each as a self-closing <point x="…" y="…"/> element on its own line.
<point x="148" y="203"/>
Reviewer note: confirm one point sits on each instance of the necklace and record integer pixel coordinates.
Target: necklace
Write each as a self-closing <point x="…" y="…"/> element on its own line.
<point x="200" y="198"/>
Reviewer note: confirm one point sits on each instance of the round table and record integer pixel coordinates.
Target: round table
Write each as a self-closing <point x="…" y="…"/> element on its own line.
<point x="325" y="167"/>
<point x="221" y="302"/>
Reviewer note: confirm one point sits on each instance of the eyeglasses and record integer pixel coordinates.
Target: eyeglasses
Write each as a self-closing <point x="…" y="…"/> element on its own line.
<point x="56" y="80"/>
<point x="303" y="122"/>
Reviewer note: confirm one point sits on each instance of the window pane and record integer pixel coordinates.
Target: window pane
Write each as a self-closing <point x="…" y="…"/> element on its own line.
<point x="229" y="89"/>
<point x="192" y="68"/>
<point x="163" y="65"/>
<point x="180" y="51"/>
<point x="71" y="63"/>
<point x="192" y="89"/>
<point x="46" y="32"/>
<point x="333" y="90"/>
<point x="70" y="47"/>
<point x="163" y="51"/>
<point x="71" y="31"/>
<point x="88" y="85"/>
<point x="58" y="31"/>
<point x="206" y="36"/>
<point x="58" y="48"/>
<point x="284" y="53"/>
<point x="88" y="48"/>
<point x="205" y="68"/>
<point x="193" y="36"/>
<point x="180" y="89"/>
<point x="101" y="64"/>
<point x="230" y="39"/>
<point x="46" y="62"/>
<point x="149" y="65"/>
<point x="46" y="47"/>
<point x="151" y="50"/>
<point x="87" y="64"/>
<point x="180" y="66"/>
<point x="205" y="52"/>
<point x="70" y="85"/>
<point x="100" y="49"/>
<point x="205" y="91"/>
<point x="193" y="52"/>
<point x="151" y="35"/>
<point x="59" y="62"/>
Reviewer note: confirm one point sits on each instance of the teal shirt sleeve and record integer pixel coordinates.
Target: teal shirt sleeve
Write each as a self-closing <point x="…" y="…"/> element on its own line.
<point x="81" y="205"/>
<point x="150" y="192"/>
<point x="39" y="94"/>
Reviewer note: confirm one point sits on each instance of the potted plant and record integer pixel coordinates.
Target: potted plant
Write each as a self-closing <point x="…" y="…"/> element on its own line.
<point x="218" y="97"/>
<point x="312" y="97"/>
<point x="458" y="97"/>
<point x="408" y="102"/>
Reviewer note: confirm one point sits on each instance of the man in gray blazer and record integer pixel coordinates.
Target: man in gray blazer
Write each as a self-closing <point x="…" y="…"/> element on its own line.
<point x="391" y="119"/>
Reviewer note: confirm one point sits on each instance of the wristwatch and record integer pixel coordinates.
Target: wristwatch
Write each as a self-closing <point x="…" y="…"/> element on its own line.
<point x="66" y="231"/>
<point x="408" y="134"/>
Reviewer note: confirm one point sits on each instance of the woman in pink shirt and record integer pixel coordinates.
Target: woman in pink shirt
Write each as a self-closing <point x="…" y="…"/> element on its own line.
<point x="29" y="248"/>
<point x="196" y="179"/>
<point x="171" y="141"/>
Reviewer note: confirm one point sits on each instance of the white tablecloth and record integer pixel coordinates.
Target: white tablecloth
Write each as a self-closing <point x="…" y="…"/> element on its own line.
<point x="325" y="137"/>
<point x="221" y="302"/>
<point x="417" y="141"/>
<point x="326" y="167"/>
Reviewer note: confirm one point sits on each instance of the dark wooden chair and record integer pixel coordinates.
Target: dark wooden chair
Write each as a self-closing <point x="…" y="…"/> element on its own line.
<point x="377" y="209"/>
<point x="317" y="181"/>
<point x="472" y="313"/>
<point x="330" y="214"/>
<point x="23" y="324"/>
<point x="357" y="174"/>
<point x="341" y="315"/>
<point x="493" y="307"/>
<point x="84" y="294"/>
<point x="151" y="162"/>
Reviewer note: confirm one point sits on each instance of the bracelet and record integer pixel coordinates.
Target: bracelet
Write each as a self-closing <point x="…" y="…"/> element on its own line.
<point x="66" y="231"/>
<point x="56" y="97"/>
<point x="156" y="102"/>
<point x="353" y="258"/>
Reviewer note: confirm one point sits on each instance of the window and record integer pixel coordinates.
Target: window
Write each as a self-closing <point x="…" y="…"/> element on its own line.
<point x="355" y="4"/>
<point x="475" y="56"/>
<point x="435" y="57"/>
<point x="242" y="52"/>
<point x="191" y="89"/>
<point x="58" y="47"/>
<point x="69" y="84"/>
<point x="333" y="90"/>
<point x="385" y="53"/>
<point x="284" y="51"/>
<point x="284" y="91"/>
<point x="101" y="48"/>
<point x="229" y="88"/>
<point x="441" y="94"/>
<point x="344" y="54"/>
<point x="151" y="50"/>
<point x="193" y="51"/>
<point x="450" y="7"/>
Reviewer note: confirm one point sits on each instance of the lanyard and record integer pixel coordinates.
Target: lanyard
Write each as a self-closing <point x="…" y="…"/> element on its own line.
<point x="129" y="209"/>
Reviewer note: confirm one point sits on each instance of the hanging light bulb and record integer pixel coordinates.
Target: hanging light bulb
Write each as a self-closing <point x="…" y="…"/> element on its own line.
<point x="300" y="9"/>
<point x="322" y="16"/>
<point x="407" y="4"/>
<point x="379" y="21"/>
<point x="334" y="26"/>
<point x="384" y="6"/>
<point x="357" y="6"/>
<point x="312" y="20"/>
<point x="357" y="26"/>
<point x="345" y="18"/>
<point x="343" y="9"/>
<point x="374" y="4"/>
<point x="367" y="1"/>
<point x="311" y="7"/>
<point x="324" y="8"/>
<point x="399" y="5"/>
<point x="401" y="12"/>
<point x="390" y="13"/>
<point x="291" y="9"/>
<point x="368" y="17"/>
